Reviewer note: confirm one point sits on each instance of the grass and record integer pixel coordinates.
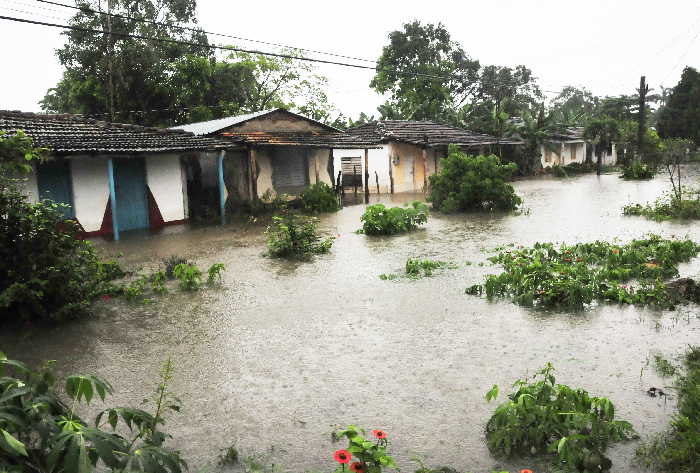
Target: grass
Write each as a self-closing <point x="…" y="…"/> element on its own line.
<point x="574" y="276"/>
<point x="419" y="268"/>
<point x="678" y="449"/>
<point x="669" y="207"/>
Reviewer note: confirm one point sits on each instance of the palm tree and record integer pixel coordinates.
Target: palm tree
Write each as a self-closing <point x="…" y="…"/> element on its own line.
<point x="537" y="133"/>
<point x="603" y="132"/>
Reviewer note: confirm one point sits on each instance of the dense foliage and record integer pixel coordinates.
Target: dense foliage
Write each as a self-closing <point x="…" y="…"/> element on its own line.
<point x="380" y="220"/>
<point x="42" y="433"/>
<point x="637" y="171"/>
<point x="295" y="236"/>
<point x="678" y="449"/>
<point x="668" y="207"/>
<point x="364" y="456"/>
<point x="680" y="116"/>
<point x="417" y="268"/>
<point x="541" y="417"/>
<point x="573" y="276"/>
<point x="472" y="183"/>
<point x="319" y="197"/>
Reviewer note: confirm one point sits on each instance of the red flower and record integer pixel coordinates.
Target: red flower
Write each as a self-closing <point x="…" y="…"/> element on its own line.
<point x="105" y="297"/>
<point x="380" y="434"/>
<point x="525" y="471"/>
<point x="342" y="456"/>
<point x="358" y="467"/>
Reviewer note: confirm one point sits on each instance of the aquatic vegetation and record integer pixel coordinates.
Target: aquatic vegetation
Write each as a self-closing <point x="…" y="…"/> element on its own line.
<point x="573" y="276"/>
<point x="637" y="171"/>
<point x="418" y="268"/>
<point x="109" y="270"/>
<point x="214" y="273"/>
<point x="669" y="207"/>
<point x="158" y="282"/>
<point x="134" y="290"/>
<point x="40" y="432"/>
<point x="171" y="261"/>
<point x="380" y="220"/>
<point x="472" y="183"/>
<point x="189" y="275"/>
<point x="544" y="418"/>
<point x="363" y="455"/>
<point x="678" y="449"/>
<point x="558" y="171"/>
<point x="663" y="366"/>
<point x="294" y="236"/>
<point x="319" y="197"/>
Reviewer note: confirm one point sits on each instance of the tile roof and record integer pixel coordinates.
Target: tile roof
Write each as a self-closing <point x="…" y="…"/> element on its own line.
<point x="312" y="140"/>
<point x="74" y="134"/>
<point x="214" y="126"/>
<point x="419" y="133"/>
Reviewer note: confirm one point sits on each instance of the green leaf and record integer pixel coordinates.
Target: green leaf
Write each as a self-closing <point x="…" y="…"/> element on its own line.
<point x="13" y="443"/>
<point x="492" y="393"/>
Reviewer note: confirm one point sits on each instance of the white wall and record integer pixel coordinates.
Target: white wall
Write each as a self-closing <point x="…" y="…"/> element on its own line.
<point x="164" y="179"/>
<point x="28" y="186"/>
<point x="378" y="160"/>
<point x="90" y="181"/>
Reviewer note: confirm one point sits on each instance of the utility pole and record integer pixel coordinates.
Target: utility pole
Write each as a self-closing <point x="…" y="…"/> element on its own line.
<point x="643" y="89"/>
<point x="109" y="60"/>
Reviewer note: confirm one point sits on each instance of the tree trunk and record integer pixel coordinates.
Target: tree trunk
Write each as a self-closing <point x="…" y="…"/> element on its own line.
<point x="599" y="163"/>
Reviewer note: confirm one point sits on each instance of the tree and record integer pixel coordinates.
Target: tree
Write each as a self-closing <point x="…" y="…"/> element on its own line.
<point x="602" y="132"/>
<point x="680" y="118"/>
<point x="675" y="151"/>
<point x="536" y="133"/>
<point x="425" y="73"/>
<point x="574" y="106"/>
<point x="129" y="75"/>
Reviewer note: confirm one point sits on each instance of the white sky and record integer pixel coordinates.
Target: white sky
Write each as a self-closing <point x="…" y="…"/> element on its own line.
<point x="602" y="45"/>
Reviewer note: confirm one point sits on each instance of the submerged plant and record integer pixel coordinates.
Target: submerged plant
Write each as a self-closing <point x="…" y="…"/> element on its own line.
<point x="668" y="207"/>
<point x="170" y="262"/>
<point x="380" y="220"/>
<point x="319" y="197"/>
<point x="40" y="432"/>
<point x="573" y="276"/>
<point x="541" y="417"/>
<point x="189" y="275"/>
<point x="214" y="273"/>
<point x="637" y="171"/>
<point x="294" y="236"/>
<point x="363" y="455"/>
<point x="158" y="282"/>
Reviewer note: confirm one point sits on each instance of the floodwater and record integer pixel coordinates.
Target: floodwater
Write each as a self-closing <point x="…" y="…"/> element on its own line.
<point x="285" y="352"/>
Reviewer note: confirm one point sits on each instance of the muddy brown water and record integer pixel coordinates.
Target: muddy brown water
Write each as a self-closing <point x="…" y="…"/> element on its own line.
<point x="285" y="352"/>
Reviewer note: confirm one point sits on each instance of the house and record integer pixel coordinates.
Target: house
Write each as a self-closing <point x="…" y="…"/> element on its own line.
<point x="406" y="152"/>
<point x="280" y="152"/>
<point x="569" y="146"/>
<point x="112" y="177"/>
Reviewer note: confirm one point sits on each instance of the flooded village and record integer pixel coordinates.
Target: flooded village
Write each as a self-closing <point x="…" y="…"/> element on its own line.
<point x="207" y="267"/>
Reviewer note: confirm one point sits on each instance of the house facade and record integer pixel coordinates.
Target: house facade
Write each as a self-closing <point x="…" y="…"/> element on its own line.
<point x="570" y="147"/>
<point x="111" y="177"/>
<point x="280" y="152"/>
<point x="406" y="153"/>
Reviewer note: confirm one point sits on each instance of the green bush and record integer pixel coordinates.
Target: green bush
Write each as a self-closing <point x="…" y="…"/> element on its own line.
<point x="189" y="275"/>
<point x="574" y="276"/>
<point x="472" y="183"/>
<point x="294" y="236"/>
<point x="171" y="261"/>
<point x="559" y="171"/>
<point x="668" y="207"/>
<point x="380" y="220"/>
<point x="637" y="171"/>
<point x="46" y="273"/>
<point x="678" y="449"/>
<point x="39" y="432"/>
<point x="319" y="197"/>
<point x="541" y="417"/>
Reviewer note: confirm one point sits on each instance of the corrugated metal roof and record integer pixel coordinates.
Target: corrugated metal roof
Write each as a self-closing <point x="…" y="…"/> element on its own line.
<point x="214" y="126"/>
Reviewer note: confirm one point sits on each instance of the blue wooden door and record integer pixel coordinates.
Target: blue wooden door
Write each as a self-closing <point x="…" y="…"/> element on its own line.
<point x="53" y="180"/>
<point x="130" y="189"/>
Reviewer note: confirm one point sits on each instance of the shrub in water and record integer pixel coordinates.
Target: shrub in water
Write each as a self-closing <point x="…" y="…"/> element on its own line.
<point x="294" y="236"/>
<point x="170" y="262"/>
<point x="541" y="417"/>
<point x="41" y="432"/>
<point x="472" y="183"/>
<point x="669" y="207"/>
<point x="214" y="273"/>
<point x="573" y="276"/>
<point x="637" y="171"/>
<point x="380" y="220"/>
<point x="189" y="275"/>
<point x="319" y="197"/>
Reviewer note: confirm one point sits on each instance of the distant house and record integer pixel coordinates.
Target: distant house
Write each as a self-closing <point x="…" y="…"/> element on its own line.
<point x="406" y="153"/>
<point x="280" y="152"/>
<point x="113" y="177"/>
<point x="570" y="146"/>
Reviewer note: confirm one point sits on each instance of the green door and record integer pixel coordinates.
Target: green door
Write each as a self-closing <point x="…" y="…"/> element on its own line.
<point x="54" y="183"/>
<point x="130" y="189"/>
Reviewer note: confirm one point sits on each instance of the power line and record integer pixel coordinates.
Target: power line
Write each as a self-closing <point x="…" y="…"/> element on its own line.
<point x="185" y="28"/>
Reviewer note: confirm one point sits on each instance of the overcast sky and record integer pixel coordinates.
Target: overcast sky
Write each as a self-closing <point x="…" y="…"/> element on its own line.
<point x="601" y="45"/>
